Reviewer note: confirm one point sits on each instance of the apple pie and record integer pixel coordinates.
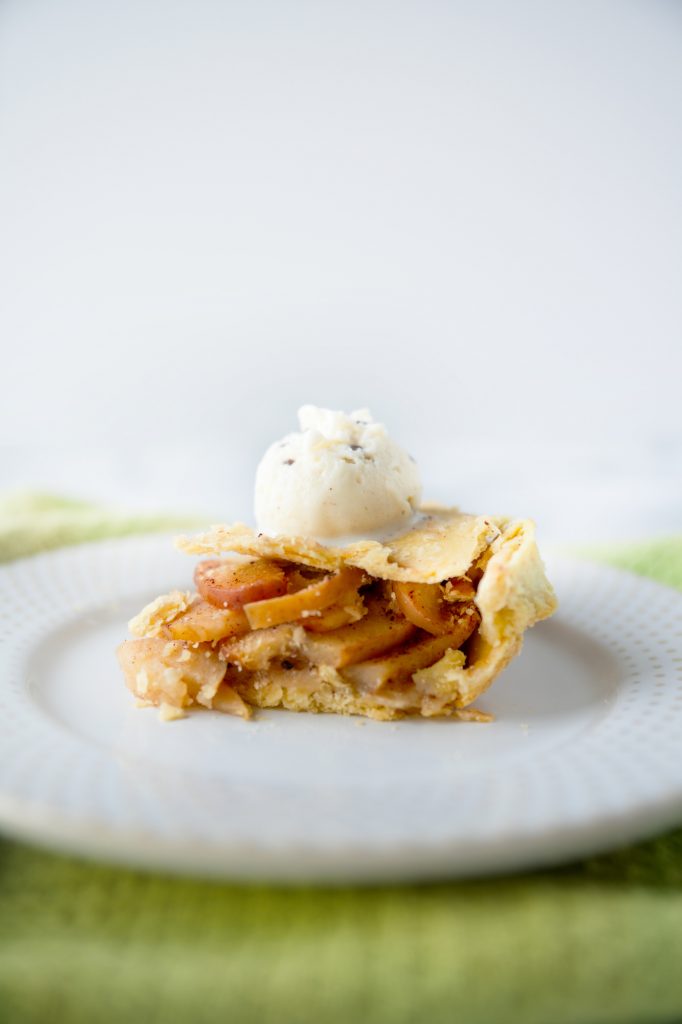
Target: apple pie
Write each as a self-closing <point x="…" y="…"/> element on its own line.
<point x="419" y="624"/>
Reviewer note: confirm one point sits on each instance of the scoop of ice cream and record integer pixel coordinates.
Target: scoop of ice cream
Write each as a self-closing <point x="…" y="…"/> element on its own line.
<point x="340" y="475"/>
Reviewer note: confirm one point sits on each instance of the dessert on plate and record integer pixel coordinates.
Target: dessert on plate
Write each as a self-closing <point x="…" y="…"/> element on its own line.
<point x="350" y="596"/>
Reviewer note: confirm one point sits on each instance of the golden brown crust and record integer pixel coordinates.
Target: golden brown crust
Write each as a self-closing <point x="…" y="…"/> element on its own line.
<point x="513" y="594"/>
<point x="444" y="543"/>
<point x="320" y="693"/>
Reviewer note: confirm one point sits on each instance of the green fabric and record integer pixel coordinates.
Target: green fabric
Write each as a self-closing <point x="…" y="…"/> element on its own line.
<point x="37" y="522"/>
<point x="598" y="941"/>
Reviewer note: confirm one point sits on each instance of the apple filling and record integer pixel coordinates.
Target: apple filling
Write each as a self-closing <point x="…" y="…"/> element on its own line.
<point x="271" y="633"/>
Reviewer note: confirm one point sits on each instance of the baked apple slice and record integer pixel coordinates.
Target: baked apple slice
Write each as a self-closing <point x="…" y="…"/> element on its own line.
<point x="379" y="631"/>
<point x="336" y="588"/>
<point x="233" y="584"/>
<point x="399" y="666"/>
<point x="429" y="606"/>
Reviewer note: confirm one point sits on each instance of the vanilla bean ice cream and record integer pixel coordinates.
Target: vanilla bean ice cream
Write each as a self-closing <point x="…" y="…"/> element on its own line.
<point x="340" y="476"/>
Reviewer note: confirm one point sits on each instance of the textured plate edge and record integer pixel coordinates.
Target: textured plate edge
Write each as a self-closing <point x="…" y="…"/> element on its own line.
<point x="298" y="864"/>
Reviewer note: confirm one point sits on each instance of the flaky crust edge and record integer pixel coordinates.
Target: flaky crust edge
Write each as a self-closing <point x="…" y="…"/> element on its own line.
<point x="513" y="594"/>
<point x="442" y="544"/>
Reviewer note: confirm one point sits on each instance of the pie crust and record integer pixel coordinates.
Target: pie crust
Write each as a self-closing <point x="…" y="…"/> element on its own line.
<point x="512" y="594"/>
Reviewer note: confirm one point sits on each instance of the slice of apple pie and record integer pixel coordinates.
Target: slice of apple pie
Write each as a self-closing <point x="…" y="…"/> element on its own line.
<point x="420" y="623"/>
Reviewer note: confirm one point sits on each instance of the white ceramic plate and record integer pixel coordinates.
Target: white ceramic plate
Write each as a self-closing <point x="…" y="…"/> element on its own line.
<point x="584" y="752"/>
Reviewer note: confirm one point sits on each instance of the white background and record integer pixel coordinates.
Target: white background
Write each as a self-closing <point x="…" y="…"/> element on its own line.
<point x="467" y="216"/>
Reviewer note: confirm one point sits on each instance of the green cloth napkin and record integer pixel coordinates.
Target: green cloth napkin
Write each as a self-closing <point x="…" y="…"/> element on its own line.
<point x="598" y="941"/>
<point x="37" y="522"/>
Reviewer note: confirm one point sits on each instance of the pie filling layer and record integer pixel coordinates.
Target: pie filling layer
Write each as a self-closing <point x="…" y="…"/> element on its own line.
<point x="267" y="630"/>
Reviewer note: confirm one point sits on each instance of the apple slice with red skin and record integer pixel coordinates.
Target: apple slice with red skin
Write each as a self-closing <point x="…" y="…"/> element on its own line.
<point x="233" y="584"/>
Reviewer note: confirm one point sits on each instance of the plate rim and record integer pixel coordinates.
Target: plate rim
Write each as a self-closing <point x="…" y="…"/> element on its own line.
<point x="364" y="865"/>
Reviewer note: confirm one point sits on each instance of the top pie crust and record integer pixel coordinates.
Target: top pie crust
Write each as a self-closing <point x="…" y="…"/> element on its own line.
<point x="442" y="544"/>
